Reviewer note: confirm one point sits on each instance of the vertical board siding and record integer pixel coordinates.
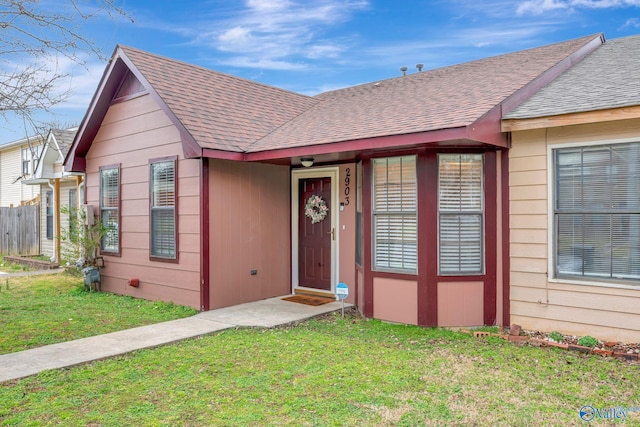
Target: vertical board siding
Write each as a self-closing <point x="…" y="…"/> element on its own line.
<point x="250" y="229"/>
<point x="605" y="312"/>
<point x="19" y="230"/>
<point x="132" y="133"/>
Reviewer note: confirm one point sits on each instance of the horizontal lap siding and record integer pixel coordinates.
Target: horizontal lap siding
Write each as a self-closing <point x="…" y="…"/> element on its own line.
<point x="10" y="169"/>
<point x="606" y="312"/>
<point x="132" y="133"/>
<point x="47" y="246"/>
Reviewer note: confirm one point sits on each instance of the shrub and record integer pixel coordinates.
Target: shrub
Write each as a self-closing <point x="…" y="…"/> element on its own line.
<point x="556" y="336"/>
<point x="588" y="341"/>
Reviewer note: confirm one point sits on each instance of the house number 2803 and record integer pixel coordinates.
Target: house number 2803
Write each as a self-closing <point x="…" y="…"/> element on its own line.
<point x="347" y="187"/>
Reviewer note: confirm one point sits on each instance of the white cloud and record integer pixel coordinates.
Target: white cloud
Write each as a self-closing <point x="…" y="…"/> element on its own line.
<point x="631" y="23"/>
<point x="279" y="34"/>
<point x="538" y="7"/>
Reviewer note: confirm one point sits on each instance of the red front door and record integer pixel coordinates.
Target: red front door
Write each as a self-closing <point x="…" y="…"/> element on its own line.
<point x="314" y="246"/>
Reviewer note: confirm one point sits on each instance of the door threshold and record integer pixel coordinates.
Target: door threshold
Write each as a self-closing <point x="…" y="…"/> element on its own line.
<point x="315" y="293"/>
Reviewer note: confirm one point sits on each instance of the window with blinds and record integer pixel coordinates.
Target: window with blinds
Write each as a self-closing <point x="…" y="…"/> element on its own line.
<point x="163" y="209"/>
<point x="110" y="209"/>
<point x="460" y="214"/>
<point x="597" y="211"/>
<point x="394" y="214"/>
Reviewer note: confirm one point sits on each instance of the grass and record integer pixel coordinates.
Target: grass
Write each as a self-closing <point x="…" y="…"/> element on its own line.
<point x="327" y="372"/>
<point x="10" y="267"/>
<point x="46" y="309"/>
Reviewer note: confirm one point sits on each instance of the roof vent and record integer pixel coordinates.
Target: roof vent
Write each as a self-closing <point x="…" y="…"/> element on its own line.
<point x="404" y="70"/>
<point x="419" y="67"/>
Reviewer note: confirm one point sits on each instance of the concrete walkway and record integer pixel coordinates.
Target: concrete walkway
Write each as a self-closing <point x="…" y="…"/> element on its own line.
<point x="264" y="314"/>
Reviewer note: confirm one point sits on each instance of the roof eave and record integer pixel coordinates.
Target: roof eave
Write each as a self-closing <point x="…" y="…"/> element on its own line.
<point x="523" y="94"/>
<point x="571" y="119"/>
<point x="480" y="133"/>
<point x="100" y="103"/>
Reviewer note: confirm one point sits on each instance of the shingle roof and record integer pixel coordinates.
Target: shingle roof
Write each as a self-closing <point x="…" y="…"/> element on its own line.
<point x="64" y="138"/>
<point x="443" y="98"/>
<point x="607" y="78"/>
<point x="220" y="115"/>
<point x="220" y="111"/>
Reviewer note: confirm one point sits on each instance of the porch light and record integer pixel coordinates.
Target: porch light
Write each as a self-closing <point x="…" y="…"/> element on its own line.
<point x="306" y="161"/>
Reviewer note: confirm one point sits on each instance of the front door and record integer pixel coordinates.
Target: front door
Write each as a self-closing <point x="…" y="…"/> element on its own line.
<point x="314" y="233"/>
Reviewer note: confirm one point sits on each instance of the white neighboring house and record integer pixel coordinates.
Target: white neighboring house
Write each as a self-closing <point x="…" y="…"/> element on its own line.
<point x="57" y="189"/>
<point x="18" y="161"/>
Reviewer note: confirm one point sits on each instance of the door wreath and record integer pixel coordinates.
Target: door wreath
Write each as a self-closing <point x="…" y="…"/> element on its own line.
<point x="316" y="209"/>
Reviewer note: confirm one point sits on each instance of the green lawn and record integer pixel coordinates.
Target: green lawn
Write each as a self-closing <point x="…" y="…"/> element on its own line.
<point x="41" y="310"/>
<point x="327" y="372"/>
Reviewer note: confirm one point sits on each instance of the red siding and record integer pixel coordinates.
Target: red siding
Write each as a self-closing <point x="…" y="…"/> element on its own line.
<point x="131" y="133"/>
<point x="249" y="230"/>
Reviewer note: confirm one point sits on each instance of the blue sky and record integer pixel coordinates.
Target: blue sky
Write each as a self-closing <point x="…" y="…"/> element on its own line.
<point x="310" y="46"/>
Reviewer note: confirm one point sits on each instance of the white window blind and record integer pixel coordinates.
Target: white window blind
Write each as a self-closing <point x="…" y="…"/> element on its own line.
<point x="461" y="210"/>
<point x="163" y="209"/>
<point x="109" y="207"/>
<point x="394" y="214"/>
<point x="597" y="211"/>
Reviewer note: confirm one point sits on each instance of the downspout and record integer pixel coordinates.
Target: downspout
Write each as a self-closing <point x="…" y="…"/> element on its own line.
<point x="56" y="218"/>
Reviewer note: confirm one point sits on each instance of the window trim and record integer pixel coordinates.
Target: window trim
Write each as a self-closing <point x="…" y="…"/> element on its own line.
<point x="117" y="166"/>
<point x="48" y="214"/>
<point x="374" y="266"/>
<point x="481" y="213"/>
<point x="551" y="231"/>
<point x="175" y="259"/>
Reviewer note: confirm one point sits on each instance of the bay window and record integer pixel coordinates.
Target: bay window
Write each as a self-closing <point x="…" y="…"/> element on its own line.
<point x="395" y="214"/>
<point x="460" y="214"/>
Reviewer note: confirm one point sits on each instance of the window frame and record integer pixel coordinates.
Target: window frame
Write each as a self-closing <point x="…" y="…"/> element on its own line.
<point x="152" y="256"/>
<point x="49" y="214"/>
<point x="475" y="213"/>
<point x="118" y="208"/>
<point x="554" y="275"/>
<point x="377" y="213"/>
<point x="27" y="163"/>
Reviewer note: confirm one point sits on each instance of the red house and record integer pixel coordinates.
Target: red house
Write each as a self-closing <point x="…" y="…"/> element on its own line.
<point x="204" y="180"/>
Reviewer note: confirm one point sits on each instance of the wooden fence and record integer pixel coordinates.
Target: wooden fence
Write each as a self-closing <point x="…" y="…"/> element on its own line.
<point x="20" y="230"/>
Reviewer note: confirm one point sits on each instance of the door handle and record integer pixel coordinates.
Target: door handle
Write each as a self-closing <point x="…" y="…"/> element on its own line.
<point x="333" y="233"/>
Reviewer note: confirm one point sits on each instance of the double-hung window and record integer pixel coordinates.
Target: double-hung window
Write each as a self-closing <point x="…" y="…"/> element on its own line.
<point x="460" y="214"/>
<point x="163" y="209"/>
<point x="596" y="211"/>
<point x="395" y="214"/>
<point x="110" y="208"/>
<point x="49" y="213"/>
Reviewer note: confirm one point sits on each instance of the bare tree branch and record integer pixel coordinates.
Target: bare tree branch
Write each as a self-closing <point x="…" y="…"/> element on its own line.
<point x="33" y="38"/>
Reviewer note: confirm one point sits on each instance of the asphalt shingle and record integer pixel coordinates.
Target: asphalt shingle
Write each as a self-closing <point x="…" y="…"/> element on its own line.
<point x="606" y="78"/>
<point x="220" y="111"/>
<point x="224" y="112"/>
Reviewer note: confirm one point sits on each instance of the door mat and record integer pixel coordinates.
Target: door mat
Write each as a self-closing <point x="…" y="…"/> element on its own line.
<point x="308" y="300"/>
